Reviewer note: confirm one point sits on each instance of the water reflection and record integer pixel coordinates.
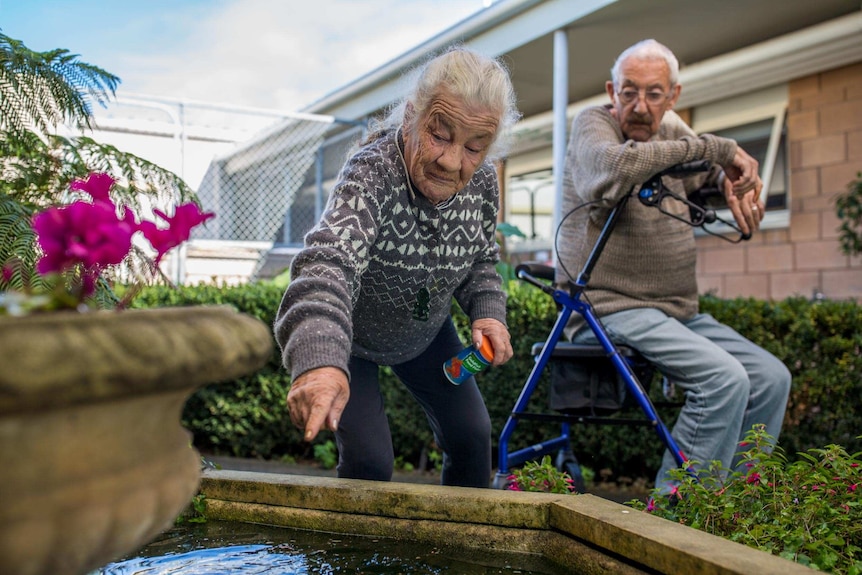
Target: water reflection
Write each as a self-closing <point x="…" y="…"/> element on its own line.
<point x="228" y="548"/>
<point x="234" y="559"/>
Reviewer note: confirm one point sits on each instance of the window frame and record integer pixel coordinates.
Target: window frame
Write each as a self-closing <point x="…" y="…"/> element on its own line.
<point x="770" y="103"/>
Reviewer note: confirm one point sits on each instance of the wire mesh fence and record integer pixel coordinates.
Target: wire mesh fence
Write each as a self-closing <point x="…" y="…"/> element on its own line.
<point x="270" y="191"/>
<point x="265" y="173"/>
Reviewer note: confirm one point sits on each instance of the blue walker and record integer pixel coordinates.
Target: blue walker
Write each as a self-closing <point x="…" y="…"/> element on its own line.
<point x="591" y="366"/>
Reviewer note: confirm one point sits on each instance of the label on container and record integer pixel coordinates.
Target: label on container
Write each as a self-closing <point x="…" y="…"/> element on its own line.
<point x="468" y="362"/>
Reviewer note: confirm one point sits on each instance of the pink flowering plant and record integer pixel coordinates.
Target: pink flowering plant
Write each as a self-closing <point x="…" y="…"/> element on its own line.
<point x="808" y="511"/>
<point x="541" y="476"/>
<point x="81" y="241"/>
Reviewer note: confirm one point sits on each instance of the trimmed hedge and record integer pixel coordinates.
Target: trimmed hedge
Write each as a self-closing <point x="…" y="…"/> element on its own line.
<point x="820" y="342"/>
<point x="246" y="417"/>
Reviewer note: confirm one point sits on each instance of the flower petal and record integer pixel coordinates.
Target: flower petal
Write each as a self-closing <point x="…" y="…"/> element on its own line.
<point x="98" y="185"/>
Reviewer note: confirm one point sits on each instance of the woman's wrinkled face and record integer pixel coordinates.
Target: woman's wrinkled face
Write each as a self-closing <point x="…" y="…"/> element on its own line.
<point x="445" y="147"/>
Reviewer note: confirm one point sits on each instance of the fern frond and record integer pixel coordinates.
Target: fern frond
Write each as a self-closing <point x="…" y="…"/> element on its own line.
<point x="43" y="89"/>
<point x="38" y="91"/>
<point x="17" y="242"/>
<point x="136" y="177"/>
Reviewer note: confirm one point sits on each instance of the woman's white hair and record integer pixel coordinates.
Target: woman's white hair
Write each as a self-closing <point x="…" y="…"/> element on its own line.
<point x="479" y="80"/>
<point x="646" y="50"/>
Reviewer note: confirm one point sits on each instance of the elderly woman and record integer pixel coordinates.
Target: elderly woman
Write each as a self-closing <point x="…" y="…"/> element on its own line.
<point x="409" y="225"/>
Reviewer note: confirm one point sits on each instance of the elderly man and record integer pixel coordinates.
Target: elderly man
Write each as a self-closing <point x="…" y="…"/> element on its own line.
<point x="644" y="287"/>
<point x="409" y="225"/>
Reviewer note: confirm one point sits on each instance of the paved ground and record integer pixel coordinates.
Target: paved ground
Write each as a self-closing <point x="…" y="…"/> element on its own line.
<point x="613" y="492"/>
<point x="267" y="466"/>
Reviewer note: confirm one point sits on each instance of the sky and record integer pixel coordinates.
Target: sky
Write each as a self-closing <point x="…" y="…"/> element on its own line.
<point x="275" y="54"/>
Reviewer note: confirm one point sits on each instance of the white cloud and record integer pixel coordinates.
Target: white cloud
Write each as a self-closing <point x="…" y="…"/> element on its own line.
<point x="286" y="54"/>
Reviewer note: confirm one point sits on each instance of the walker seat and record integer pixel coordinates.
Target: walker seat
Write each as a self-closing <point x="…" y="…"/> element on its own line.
<point x="584" y="381"/>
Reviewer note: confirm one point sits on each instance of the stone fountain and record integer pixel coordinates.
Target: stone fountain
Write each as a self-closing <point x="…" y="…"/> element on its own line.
<point x="94" y="461"/>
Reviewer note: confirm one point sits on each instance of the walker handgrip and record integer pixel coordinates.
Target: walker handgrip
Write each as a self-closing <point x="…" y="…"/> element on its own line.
<point x="533" y="272"/>
<point x="535" y="269"/>
<point x="686" y="168"/>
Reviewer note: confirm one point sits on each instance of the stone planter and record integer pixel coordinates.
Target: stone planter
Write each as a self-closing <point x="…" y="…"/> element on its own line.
<point x="93" y="460"/>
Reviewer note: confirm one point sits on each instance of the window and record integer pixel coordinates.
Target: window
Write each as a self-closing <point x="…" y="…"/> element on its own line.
<point x="755" y="138"/>
<point x="757" y="122"/>
<point x="530" y="207"/>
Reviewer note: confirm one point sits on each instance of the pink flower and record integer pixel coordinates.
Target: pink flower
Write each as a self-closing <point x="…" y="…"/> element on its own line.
<point x="513" y="484"/>
<point x="186" y="217"/>
<point x="650" y="505"/>
<point x="85" y="233"/>
<point x="98" y="185"/>
<point x="88" y="236"/>
<point x="852" y="488"/>
<point x="753" y="478"/>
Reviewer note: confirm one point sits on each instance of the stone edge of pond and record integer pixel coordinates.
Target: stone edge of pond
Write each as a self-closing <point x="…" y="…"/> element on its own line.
<point x="583" y="532"/>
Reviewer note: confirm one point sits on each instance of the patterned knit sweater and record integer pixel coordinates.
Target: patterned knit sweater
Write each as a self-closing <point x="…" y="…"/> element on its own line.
<point x="650" y="258"/>
<point x="378" y="273"/>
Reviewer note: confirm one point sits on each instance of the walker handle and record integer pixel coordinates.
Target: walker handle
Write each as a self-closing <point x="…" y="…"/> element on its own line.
<point x="533" y="272"/>
<point x="653" y="192"/>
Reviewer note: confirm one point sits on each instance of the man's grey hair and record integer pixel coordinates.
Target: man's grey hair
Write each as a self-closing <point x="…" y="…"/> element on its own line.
<point x="646" y="50"/>
<point x="479" y="80"/>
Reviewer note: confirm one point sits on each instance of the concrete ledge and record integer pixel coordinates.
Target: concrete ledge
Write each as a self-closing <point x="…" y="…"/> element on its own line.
<point x="382" y="499"/>
<point x="585" y="533"/>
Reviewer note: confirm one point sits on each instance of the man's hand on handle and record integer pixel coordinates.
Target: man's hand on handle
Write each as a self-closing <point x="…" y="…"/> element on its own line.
<point x="743" y="173"/>
<point x="742" y="188"/>
<point x="316" y="400"/>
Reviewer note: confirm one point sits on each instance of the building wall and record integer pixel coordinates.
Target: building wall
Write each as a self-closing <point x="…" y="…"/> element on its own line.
<point x="824" y="129"/>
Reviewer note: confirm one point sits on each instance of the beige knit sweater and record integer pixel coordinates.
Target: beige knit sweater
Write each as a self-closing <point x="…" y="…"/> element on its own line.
<point x="650" y="258"/>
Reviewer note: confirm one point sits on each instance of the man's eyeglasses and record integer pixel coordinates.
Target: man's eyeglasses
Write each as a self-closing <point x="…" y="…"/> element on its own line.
<point x="630" y="96"/>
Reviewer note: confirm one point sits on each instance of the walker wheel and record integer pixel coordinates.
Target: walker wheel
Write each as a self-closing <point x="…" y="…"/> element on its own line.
<point x="568" y="463"/>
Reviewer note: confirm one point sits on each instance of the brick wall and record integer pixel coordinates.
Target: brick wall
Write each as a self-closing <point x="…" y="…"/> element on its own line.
<point x="824" y="128"/>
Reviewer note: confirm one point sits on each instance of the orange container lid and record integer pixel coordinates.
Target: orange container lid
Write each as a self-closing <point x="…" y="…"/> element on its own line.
<point x="486" y="349"/>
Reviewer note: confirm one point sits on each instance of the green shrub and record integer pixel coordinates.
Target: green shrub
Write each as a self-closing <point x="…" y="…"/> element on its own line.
<point x="327" y="454"/>
<point x="819" y="342"/>
<point x="246" y="417"/>
<point x="807" y="511"/>
<point x="848" y="208"/>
